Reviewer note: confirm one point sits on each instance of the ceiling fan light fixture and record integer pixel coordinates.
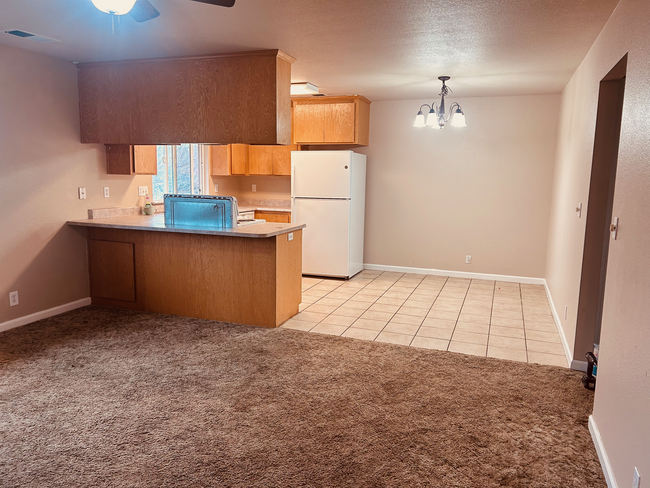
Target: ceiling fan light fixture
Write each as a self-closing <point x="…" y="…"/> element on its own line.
<point x="304" y="88"/>
<point x="114" y="7"/>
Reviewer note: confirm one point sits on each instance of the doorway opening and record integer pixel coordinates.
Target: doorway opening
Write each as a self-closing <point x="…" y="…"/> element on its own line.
<point x="599" y="210"/>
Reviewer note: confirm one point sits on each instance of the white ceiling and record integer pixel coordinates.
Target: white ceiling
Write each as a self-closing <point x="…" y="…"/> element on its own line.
<point x="383" y="49"/>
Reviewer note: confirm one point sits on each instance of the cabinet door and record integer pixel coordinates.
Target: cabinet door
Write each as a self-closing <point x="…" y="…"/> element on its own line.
<point x="282" y="160"/>
<point x="308" y="123"/>
<point x="145" y="160"/>
<point x="119" y="159"/>
<point x="281" y="217"/>
<point x="260" y="160"/>
<point x="112" y="270"/>
<point x="220" y="160"/>
<point x="339" y="121"/>
<point x="239" y="158"/>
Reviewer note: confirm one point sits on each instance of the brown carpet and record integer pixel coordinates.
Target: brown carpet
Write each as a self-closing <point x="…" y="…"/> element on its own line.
<point x="103" y="397"/>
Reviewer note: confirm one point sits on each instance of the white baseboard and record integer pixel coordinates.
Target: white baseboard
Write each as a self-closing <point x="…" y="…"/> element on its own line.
<point x="50" y="312"/>
<point x="568" y="352"/>
<point x="602" y="454"/>
<point x="456" y="274"/>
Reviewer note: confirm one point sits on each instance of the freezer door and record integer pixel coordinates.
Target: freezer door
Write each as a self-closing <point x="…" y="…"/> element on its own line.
<point x="321" y="174"/>
<point x="325" y="240"/>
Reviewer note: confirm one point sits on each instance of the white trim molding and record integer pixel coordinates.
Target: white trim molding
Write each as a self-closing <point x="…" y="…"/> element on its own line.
<point x="456" y="274"/>
<point x="44" y="314"/>
<point x="568" y="352"/>
<point x="602" y="454"/>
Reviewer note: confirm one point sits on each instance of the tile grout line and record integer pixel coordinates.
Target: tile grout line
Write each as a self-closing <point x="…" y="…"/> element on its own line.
<point x="429" y="311"/>
<point x="494" y="291"/>
<point x="521" y="300"/>
<point x="458" y="317"/>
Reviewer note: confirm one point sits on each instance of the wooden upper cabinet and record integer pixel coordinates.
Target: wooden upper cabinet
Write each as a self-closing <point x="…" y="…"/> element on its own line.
<point x="122" y="159"/>
<point x="282" y="160"/>
<point x="261" y="160"/>
<point x="217" y="99"/>
<point x="229" y="159"/>
<point x="331" y="120"/>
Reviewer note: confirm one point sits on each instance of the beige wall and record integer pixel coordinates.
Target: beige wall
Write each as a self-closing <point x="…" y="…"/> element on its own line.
<point x="622" y="402"/>
<point x="435" y="196"/>
<point x="42" y="163"/>
<point x="268" y="187"/>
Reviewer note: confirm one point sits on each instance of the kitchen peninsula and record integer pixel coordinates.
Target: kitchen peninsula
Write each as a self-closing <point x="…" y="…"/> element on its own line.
<point x="246" y="275"/>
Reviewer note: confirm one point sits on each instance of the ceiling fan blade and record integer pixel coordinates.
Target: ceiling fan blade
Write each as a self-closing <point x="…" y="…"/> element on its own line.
<point x="143" y="11"/>
<point x="220" y="3"/>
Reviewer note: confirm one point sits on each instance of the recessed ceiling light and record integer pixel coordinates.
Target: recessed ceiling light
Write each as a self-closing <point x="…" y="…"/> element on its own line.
<point x="303" y="89"/>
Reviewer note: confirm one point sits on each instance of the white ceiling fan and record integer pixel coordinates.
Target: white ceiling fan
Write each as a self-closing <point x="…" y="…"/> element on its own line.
<point x="142" y="10"/>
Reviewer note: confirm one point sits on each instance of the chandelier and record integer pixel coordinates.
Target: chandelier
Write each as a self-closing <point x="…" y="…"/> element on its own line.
<point x="436" y="117"/>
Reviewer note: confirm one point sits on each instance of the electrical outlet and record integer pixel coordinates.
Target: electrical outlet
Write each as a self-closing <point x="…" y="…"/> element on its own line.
<point x="143" y="191"/>
<point x="13" y="299"/>
<point x="216" y="188"/>
<point x="566" y="311"/>
<point x="82" y="193"/>
<point x="254" y="187"/>
<point x="290" y="236"/>
<point x="579" y="210"/>
<point x="106" y="192"/>
<point x="637" y="479"/>
<point x="468" y="259"/>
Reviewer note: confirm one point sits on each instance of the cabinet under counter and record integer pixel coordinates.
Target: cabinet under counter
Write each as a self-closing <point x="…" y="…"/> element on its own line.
<point x="250" y="275"/>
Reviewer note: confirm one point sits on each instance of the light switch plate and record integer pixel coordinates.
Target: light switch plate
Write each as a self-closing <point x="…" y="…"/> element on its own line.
<point x="106" y="192"/>
<point x="13" y="299"/>
<point x="290" y="236"/>
<point x="82" y="193"/>
<point x="143" y="191"/>
<point x="216" y="188"/>
<point x="468" y="259"/>
<point x="579" y="210"/>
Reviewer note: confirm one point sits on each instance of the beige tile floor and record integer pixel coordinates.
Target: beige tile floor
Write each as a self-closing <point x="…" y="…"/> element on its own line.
<point x="483" y="318"/>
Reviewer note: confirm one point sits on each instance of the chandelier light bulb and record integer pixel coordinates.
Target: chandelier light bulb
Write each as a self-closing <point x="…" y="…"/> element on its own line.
<point x="114" y="7"/>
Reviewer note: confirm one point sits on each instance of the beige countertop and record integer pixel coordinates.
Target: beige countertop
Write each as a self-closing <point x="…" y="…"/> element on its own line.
<point x="156" y="223"/>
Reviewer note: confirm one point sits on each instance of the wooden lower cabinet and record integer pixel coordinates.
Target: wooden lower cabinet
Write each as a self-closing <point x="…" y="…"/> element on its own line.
<point x="252" y="281"/>
<point x="281" y="217"/>
<point x="124" y="159"/>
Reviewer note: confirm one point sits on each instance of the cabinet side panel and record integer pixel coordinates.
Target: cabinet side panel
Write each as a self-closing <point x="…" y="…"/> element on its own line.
<point x="289" y="276"/>
<point x="363" y="123"/>
<point x="283" y="106"/>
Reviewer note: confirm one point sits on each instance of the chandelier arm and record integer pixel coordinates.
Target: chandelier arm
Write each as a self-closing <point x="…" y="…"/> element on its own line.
<point x="452" y="109"/>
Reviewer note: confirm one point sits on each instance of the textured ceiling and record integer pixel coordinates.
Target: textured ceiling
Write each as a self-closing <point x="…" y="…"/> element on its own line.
<point x="383" y="49"/>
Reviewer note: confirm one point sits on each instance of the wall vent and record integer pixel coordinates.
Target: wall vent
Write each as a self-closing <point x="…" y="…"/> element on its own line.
<point x="30" y="36"/>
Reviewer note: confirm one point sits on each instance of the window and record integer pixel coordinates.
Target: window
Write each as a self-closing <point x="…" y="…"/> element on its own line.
<point x="180" y="170"/>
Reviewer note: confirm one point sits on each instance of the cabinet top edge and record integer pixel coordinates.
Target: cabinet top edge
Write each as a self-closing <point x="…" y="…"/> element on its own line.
<point x="329" y="98"/>
<point x="264" y="52"/>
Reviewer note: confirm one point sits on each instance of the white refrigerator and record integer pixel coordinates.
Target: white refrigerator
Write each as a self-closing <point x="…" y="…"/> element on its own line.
<point x="328" y="193"/>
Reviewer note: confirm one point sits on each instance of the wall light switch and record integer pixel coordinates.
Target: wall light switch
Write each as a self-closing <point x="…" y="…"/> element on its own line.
<point x="82" y="193"/>
<point x="254" y="187"/>
<point x="106" y="192"/>
<point x="579" y="210"/>
<point x="468" y="259"/>
<point x="216" y="188"/>
<point x="13" y="299"/>
<point x="143" y="191"/>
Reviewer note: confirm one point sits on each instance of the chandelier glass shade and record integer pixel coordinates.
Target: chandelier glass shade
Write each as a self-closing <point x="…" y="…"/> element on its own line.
<point x="436" y="116"/>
